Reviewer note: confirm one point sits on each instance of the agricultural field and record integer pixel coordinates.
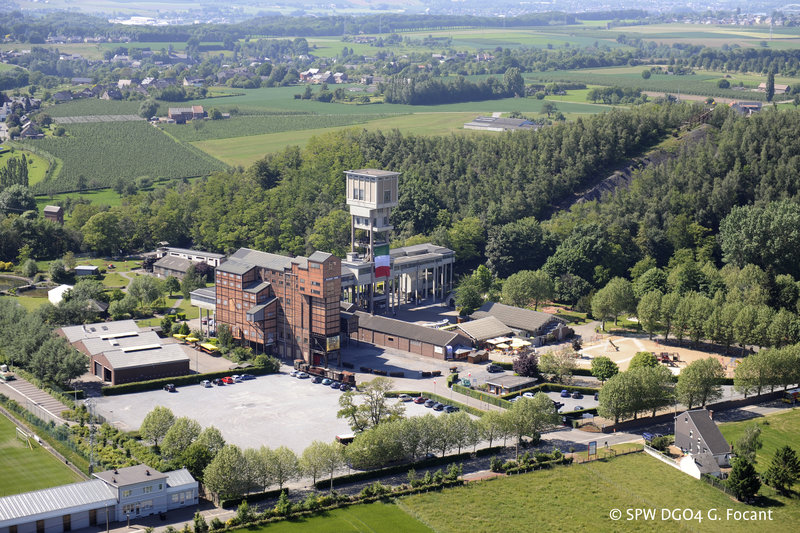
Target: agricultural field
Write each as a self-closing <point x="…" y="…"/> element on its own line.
<point x="371" y="518"/>
<point x="713" y="36"/>
<point x="702" y="83"/>
<point x="246" y="150"/>
<point x="37" y="166"/>
<point x="581" y="497"/>
<point x="26" y="469"/>
<point x="104" y="152"/>
<point x="101" y="196"/>
<point x="776" y="431"/>
<point x="93" y="106"/>
<point x="244" y="126"/>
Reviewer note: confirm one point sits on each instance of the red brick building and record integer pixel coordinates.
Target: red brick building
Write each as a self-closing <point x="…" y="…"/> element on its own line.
<point x="288" y="306"/>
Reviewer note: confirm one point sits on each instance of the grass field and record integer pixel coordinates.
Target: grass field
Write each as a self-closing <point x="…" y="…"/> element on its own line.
<point x="37" y="166"/>
<point x="103" y="197"/>
<point x="370" y="518"/>
<point x="776" y="431"/>
<point x="581" y="497"/>
<point x="29" y="303"/>
<point x="246" y="150"/>
<point x="25" y="469"/>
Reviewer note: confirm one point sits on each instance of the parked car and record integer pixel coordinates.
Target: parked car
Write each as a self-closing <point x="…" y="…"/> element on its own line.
<point x="420" y="399"/>
<point x="302" y="375"/>
<point x="557" y="405"/>
<point x="217" y="381"/>
<point x="169" y="387"/>
<point x="205" y="383"/>
<point x="438" y="407"/>
<point x="596" y="396"/>
<point x="494" y="368"/>
<point x="293" y="373"/>
<point x="404" y="398"/>
<point x="335" y="385"/>
<point x="515" y="399"/>
<point x="564" y="393"/>
<point x="326" y="381"/>
<point x="527" y="395"/>
<point x="577" y="395"/>
<point x="246" y="377"/>
<point x="429" y="403"/>
<point x="450" y="409"/>
<point x="344" y="387"/>
<point x="317" y="379"/>
<point x="228" y="380"/>
<point x="237" y="378"/>
<point x="578" y="408"/>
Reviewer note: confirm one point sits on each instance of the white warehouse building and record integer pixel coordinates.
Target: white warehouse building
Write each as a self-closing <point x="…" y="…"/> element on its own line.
<point x="113" y="496"/>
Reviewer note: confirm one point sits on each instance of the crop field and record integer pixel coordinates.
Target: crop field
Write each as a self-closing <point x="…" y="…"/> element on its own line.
<point x="104" y="152"/>
<point x="26" y="469"/>
<point x="243" y="126"/>
<point x="93" y="106"/>
<point x="37" y="166"/>
<point x="776" y="431"/>
<point x="583" y="495"/>
<point x="702" y="83"/>
<point x="370" y="518"/>
<point x="714" y="36"/>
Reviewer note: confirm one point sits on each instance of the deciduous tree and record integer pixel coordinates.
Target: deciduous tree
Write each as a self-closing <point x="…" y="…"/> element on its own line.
<point x="700" y="382"/>
<point x="156" y="424"/>
<point x="603" y="368"/>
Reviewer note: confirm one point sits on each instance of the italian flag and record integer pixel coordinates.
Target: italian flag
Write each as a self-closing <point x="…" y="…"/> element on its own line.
<point x="382" y="268"/>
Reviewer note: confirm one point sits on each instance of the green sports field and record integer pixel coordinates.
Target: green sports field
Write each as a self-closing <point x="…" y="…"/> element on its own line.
<point x="26" y="469"/>
<point x="371" y="518"/>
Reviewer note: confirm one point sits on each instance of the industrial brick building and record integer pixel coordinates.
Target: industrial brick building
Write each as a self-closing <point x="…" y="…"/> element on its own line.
<point x="286" y="305"/>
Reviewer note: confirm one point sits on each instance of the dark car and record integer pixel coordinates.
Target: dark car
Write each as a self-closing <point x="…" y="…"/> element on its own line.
<point x="246" y="377"/>
<point x="578" y="408"/>
<point x="335" y="385"/>
<point x="217" y="381"/>
<point x="438" y="407"/>
<point x="450" y="409"/>
<point x="577" y="395"/>
<point x="558" y="405"/>
<point x="564" y="393"/>
<point x="596" y="396"/>
<point x="494" y="368"/>
<point x="169" y="387"/>
<point x="345" y="387"/>
<point x="316" y="379"/>
<point x="429" y="403"/>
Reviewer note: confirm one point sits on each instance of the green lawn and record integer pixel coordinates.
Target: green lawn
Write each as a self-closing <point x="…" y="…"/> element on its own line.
<point x="101" y="196"/>
<point x="776" y="431"/>
<point x="371" y="518"/>
<point x="26" y="469"/>
<point x="28" y="302"/>
<point x="581" y="497"/>
<point x="37" y="166"/>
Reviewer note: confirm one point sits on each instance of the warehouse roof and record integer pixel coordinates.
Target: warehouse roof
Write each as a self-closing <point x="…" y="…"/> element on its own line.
<point x="118" y="342"/>
<point x="515" y="317"/>
<point x="408" y="330"/>
<point x="145" y="355"/>
<point x="246" y="256"/>
<point x="54" y="501"/>
<point x="485" y="328"/>
<point x="171" y="262"/>
<point x="89" y="331"/>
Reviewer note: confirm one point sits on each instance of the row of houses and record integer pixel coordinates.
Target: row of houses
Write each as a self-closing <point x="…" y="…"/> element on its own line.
<point x="313" y="75"/>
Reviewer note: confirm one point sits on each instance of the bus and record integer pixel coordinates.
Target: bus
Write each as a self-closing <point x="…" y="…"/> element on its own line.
<point x="345" y="439"/>
<point x="791" y="396"/>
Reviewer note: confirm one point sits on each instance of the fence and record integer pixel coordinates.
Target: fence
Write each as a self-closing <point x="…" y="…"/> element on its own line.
<point x="649" y="450"/>
<point x="717" y="483"/>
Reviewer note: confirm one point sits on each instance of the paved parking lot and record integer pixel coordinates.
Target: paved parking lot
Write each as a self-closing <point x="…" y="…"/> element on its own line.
<point x="275" y="410"/>
<point x="587" y="402"/>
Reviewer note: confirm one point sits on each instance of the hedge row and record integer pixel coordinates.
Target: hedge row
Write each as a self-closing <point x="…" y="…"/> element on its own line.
<point x="191" y="379"/>
<point x="530" y="467"/>
<point x="255" y="497"/>
<point x="482" y="396"/>
<point x="441" y="399"/>
<point x="397" y="469"/>
<point x="503" y="365"/>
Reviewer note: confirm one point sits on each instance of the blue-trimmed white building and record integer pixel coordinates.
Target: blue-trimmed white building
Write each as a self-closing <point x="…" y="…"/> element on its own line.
<point x="113" y="495"/>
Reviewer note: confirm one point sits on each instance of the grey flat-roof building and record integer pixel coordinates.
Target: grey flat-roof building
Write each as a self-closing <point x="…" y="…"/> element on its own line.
<point x="121" y="352"/>
<point x="505" y="384"/>
<point x="484" y="329"/>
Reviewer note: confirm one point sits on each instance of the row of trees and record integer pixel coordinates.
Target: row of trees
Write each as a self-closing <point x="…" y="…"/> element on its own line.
<point x="432" y="91"/>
